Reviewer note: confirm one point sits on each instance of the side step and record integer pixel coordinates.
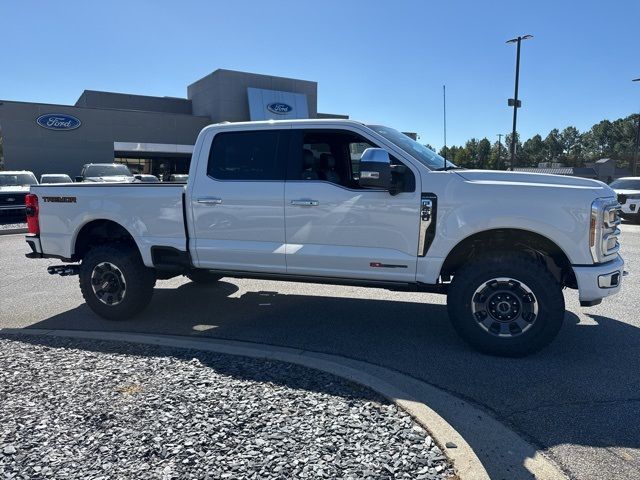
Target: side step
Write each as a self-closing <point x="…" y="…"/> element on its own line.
<point x="64" y="270"/>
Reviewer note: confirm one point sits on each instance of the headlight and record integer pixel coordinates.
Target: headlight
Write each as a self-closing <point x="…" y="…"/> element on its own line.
<point x="603" y="229"/>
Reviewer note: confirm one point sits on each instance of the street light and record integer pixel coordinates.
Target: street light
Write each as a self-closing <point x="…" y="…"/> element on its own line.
<point x="635" y="157"/>
<point x="514" y="101"/>
<point x="499" y="150"/>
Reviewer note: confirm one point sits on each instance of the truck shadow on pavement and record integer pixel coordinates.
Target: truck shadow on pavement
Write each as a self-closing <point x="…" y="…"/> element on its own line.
<point x="581" y="390"/>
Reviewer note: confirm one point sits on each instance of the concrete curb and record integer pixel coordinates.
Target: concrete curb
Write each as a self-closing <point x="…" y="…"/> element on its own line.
<point x="499" y="452"/>
<point x="13" y="231"/>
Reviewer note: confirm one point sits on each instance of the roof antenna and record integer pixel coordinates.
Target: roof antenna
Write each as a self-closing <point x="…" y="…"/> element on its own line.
<point x="444" y="111"/>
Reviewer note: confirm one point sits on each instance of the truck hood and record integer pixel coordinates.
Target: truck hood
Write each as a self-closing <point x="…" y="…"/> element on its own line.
<point x="111" y="179"/>
<point x="493" y="177"/>
<point x="15" y="189"/>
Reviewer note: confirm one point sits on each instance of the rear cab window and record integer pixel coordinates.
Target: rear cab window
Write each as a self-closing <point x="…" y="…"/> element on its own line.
<point x="248" y="155"/>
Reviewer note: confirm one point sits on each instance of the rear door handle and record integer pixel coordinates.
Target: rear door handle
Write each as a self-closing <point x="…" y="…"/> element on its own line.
<point x="209" y="201"/>
<point x="305" y="203"/>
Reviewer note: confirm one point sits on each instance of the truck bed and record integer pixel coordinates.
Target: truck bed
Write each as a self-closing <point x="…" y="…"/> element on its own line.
<point x="152" y="213"/>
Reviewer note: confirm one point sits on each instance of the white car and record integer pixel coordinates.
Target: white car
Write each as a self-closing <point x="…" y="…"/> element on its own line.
<point x="14" y="186"/>
<point x="283" y="200"/>
<point x="628" y="191"/>
<point x="106" y="173"/>
<point x="55" y="178"/>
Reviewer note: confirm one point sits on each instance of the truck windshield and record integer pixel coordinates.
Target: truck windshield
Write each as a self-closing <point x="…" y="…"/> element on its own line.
<point x="17" y="179"/>
<point x="107" y="171"/>
<point x="424" y="155"/>
<point x="626" y="184"/>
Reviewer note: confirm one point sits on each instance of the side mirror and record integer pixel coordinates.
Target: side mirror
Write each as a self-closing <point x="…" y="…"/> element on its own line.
<point x="79" y="178"/>
<point x="138" y="177"/>
<point x="375" y="169"/>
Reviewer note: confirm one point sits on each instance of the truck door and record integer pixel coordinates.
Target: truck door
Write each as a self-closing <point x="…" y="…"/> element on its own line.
<point x="238" y="203"/>
<point x="334" y="228"/>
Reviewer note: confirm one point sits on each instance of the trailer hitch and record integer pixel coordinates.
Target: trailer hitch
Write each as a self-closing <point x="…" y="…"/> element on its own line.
<point x="64" y="270"/>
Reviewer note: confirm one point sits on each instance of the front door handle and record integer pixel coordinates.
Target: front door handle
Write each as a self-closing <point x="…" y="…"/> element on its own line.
<point x="305" y="203"/>
<point x="209" y="201"/>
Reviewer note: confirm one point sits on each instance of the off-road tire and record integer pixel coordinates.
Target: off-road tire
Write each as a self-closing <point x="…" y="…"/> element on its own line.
<point x="139" y="279"/>
<point x="203" y="277"/>
<point x="461" y="302"/>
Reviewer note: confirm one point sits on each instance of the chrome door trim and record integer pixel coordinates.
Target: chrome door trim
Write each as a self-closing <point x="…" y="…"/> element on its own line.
<point x="209" y="201"/>
<point x="305" y="203"/>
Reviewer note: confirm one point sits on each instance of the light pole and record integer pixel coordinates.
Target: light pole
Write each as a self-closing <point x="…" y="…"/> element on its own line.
<point x="499" y="149"/>
<point x="635" y="157"/>
<point x="514" y="101"/>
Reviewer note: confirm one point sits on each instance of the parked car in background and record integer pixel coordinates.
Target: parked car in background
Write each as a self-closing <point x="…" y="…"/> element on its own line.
<point x="55" y="178"/>
<point x="146" y="178"/>
<point x="178" y="178"/>
<point x="14" y="186"/>
<point x="106" y="173"/>
<point x="628" y="191"/>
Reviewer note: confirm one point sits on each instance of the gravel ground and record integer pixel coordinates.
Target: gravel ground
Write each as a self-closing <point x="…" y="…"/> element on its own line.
<point x="102" y="410"/>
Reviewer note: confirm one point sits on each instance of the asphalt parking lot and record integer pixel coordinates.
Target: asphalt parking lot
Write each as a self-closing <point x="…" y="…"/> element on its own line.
<point x="578" y="399"/>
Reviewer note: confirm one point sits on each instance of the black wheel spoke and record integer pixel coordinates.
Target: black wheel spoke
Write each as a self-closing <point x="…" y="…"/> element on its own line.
<point x="108" y="283"/>
<point x="504" y="307"/>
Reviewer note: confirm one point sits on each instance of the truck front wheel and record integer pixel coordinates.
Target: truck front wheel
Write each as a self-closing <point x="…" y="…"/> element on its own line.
<point x="506" y="304"/>
<point x="114" y="281"/>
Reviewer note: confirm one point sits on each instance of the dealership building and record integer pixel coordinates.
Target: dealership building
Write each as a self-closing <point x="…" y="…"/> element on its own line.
<point x="149" y="134"/>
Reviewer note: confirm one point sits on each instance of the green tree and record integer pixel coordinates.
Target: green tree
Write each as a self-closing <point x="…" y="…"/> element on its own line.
<point x="520" y="160"/>
<point x="534" y="151"/>
<point x="571" y="141"/>
<point x="553" y="145"/>
<point x="484" y="152"/>
<point x="498" y="157"/>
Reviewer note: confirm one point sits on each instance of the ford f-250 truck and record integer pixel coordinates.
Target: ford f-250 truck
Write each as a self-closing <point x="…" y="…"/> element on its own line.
<point x="340" y="202"/>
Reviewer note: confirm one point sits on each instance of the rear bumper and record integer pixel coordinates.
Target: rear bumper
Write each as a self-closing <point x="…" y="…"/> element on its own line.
<point x="596" y="282"/>
<point x="631" y="207"/>
<point x="14" y="208"/>
<point x="34" y="244"/>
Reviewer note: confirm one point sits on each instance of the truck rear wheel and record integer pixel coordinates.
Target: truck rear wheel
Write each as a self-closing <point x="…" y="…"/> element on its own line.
<point x="203" y="277"/>
<point x="506" y="304"/>
<point x="114" y="281"/>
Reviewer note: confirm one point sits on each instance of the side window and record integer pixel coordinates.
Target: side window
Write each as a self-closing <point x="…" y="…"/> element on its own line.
<point x="251" y="155"/>
<point x="356" y="149"/>
<point x="334" y="156"/>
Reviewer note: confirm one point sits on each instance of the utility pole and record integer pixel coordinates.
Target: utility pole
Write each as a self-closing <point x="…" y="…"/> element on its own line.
<point x="514" y="102"/>
<point x="499" y="149"/>
<point x="444" y="119"/>
<point x="637" y="154"/>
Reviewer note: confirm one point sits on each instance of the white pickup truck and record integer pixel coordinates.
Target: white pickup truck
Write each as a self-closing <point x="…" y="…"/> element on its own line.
<point x="340" y="202"/>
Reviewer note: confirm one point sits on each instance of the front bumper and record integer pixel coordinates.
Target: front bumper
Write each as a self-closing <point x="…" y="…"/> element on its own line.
<point x="598" y="281"/>
<point x="630" y="208"/>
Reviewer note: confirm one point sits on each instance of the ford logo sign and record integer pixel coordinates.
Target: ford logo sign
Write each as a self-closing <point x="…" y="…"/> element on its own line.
<point x="279" y="108"/>
<point x="58" y="121"/>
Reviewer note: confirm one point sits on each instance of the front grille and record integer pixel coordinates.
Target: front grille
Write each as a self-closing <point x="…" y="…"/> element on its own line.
<point x="622" y="199"/>
<point x="12" y="199"/>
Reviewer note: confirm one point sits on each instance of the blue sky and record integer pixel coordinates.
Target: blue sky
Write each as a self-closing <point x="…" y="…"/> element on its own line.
<point x="376" y="61"/>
